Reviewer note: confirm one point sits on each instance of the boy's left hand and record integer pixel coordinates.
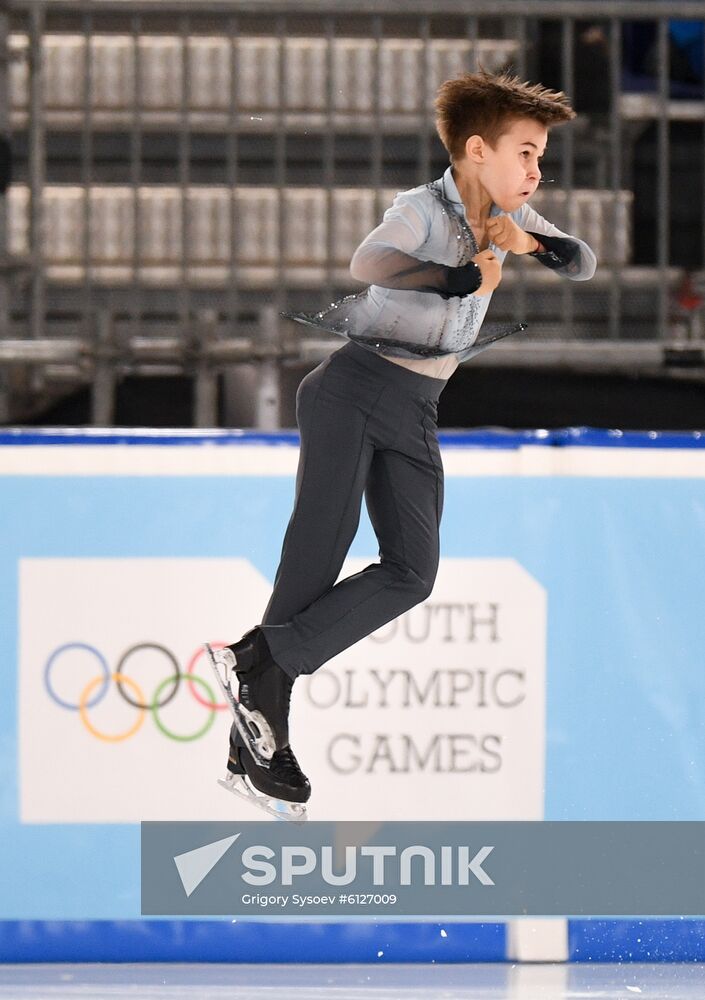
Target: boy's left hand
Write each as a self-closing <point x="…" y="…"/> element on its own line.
<point x="505" y="234"/>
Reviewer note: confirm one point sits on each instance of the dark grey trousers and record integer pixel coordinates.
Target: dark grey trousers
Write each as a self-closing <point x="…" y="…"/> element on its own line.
<point x="368" y="426"/>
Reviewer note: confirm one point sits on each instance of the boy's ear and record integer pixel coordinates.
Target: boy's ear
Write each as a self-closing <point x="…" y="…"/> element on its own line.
<point x="475" y="148"/>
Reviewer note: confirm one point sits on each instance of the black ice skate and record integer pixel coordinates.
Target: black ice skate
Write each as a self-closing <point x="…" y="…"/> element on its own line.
<point x="260" y="755"/>
<point x="247" y="781"/>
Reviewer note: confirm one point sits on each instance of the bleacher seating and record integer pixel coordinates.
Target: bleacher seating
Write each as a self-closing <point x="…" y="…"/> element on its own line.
<point x="409" y="74"/>
<point x="186" y="174"/>
<point x="248" y="221"/>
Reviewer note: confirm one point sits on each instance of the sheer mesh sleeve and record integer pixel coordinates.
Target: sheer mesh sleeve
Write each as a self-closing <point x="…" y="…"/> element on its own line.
<point x="387" y="256"/>
<point x="564" y="254"/>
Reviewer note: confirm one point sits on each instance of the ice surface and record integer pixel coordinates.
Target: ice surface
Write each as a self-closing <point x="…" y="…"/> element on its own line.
<point x="500" y="981"/>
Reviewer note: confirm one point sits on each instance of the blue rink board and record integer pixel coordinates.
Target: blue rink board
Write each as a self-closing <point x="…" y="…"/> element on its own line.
<point x="257" y="942"/>
<point x="483" y="437"/>
<point x="267" y="942"/>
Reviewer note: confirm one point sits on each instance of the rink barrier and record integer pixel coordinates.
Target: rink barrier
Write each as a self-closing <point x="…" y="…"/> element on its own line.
<point x="484" y="437"/>
<point x="589" y="940"/>
<point x="677" y="940"/>
<point x="252" y="942"/>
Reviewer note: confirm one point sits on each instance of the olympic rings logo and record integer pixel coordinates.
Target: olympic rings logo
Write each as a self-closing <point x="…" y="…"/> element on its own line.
<point x="131" y="692"/>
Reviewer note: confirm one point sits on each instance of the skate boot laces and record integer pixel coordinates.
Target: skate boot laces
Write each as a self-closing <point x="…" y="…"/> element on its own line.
<point x="286" y="766"/>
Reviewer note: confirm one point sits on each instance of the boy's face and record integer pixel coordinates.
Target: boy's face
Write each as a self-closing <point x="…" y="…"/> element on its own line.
<point x="510" y="172"/>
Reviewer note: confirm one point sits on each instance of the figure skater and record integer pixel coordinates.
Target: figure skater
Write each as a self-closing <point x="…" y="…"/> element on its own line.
<point x="367" y="415"/>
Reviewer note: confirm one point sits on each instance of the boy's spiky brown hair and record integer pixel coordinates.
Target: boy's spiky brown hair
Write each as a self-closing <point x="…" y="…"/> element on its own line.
<point x="486" y="104"/>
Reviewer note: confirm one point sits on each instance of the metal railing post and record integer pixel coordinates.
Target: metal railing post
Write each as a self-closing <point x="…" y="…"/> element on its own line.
<point x="104" y="371"/>
<point x="567" y="163"/>
<point x="615" y="123"/>
<point x="205" y="390"/>
<point x="268" y="399"/>
<point x="5" y="386"/>
<point x="663" y="201"/>
<point x="37" y="170"/>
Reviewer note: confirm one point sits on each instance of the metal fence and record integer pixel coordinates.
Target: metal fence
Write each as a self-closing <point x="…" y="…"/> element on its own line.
<point x="184" y="171"/>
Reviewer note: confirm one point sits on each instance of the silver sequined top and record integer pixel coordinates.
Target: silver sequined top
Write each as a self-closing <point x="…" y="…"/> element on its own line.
<point x="402" y="313"/>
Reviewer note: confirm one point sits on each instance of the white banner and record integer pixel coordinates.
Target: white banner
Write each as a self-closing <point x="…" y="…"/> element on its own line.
<point x="441" y="713"/>
<point x="438" y="715"/>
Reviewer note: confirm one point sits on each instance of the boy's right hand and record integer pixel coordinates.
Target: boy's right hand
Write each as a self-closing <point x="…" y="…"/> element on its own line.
<point x="491" y="269"/>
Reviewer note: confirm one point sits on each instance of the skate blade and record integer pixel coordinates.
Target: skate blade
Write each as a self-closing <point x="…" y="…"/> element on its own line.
<point x="253" y="743"/>
<point x="291" y="812"/>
